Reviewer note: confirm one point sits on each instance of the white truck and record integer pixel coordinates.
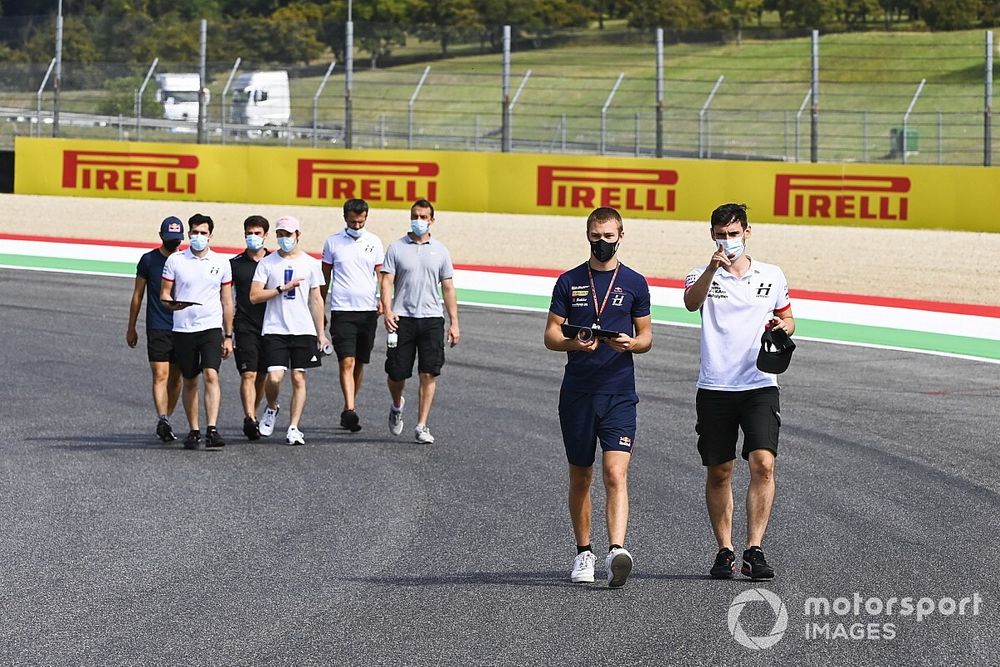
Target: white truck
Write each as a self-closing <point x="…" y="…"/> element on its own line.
<point x="262" y="99"/>
<point x="178" y="92"/>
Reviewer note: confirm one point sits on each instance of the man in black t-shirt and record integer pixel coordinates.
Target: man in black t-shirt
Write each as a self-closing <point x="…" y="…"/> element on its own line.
<point x="247" y="323"/>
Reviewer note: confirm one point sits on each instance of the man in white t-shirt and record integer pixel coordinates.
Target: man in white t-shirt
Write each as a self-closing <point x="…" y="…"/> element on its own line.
<point x="196" y="287"/>
<point x="289" y="281"/>
<point x="352" y="258"/>
<point x="738" y="298"/>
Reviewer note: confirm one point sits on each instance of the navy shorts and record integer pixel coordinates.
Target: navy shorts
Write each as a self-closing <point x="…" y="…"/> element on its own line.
<point x="587" y="418"/>
<point x="721" y="415"/>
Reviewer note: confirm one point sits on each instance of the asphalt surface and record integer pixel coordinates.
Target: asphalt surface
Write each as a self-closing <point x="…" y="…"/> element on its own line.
<point x="366" y="549"/>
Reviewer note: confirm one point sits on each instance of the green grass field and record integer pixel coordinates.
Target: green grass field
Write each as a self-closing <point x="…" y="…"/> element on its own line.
<point x="867" y="82"/>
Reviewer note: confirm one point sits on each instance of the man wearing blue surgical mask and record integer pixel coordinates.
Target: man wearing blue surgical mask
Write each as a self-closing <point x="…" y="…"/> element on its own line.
<point x="248" y="322"/>
<point x="415" y="266"/>
<point x="352" y="259"/>
<point x="738" y="297"/>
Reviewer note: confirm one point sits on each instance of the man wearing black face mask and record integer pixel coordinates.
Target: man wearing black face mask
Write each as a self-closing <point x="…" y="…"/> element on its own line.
<point x="597" y="400"/>
<point x="159" y="325"/>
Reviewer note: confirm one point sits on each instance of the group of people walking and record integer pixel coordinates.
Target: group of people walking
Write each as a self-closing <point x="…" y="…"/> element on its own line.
<point x="599" y="315"/>
<point x="268" y="309"/>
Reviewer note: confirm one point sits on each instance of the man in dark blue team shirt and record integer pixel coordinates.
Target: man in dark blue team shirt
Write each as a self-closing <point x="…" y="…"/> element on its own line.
<point x="159" y="325"/>
<point x="597" y="400"/>
<point x="248" y="323"/>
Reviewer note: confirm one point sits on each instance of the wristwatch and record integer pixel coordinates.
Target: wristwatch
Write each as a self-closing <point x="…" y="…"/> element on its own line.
<point x="229" y="335"/>
<point x="278" y="288"/>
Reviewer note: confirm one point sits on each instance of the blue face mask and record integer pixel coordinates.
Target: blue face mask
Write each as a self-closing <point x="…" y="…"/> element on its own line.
<point x="732" y="247"/>
<point x="419" y="226"/>
<point x="255" y="242"/>
<point x="353" y="233"/>
<point x="286" y="243"/>
<point x="199" y="242"/>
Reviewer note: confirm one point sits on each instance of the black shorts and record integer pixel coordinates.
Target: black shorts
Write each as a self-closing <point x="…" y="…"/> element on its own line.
<point x="286" y="351"/>
<point x="198" y="350"/>
<point x="586" y="419"/>
<point x="353" y="333"/>
<point x="248" y="351"/>
<point x="160" y="345"/>
<point x="416" y="334"/>
<point x="722" y="413"/>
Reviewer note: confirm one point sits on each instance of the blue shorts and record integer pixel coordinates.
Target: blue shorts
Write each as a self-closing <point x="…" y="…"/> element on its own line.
<point x="587" y="418"/>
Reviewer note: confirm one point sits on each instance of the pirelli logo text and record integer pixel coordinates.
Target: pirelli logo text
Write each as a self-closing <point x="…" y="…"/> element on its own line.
<point x="841" y="197"/>
<point x="114" y="171"/>
<point x="373" y="181"/>
<point x="591" y="187"/>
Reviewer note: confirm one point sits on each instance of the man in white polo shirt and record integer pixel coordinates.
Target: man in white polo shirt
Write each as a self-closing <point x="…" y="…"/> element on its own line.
<point x="289" y="282"/>
<point x="738" y="297"/>
<point x="414" y="267"/>
<point x="352" y="258"/>
<point x="196" y="286"/>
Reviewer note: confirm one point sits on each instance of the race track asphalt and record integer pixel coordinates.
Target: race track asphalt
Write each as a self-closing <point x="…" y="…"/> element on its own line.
<point x="366" y="549"/>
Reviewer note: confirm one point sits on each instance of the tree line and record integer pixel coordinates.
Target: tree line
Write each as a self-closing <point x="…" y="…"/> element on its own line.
<point x="300" y="31"/>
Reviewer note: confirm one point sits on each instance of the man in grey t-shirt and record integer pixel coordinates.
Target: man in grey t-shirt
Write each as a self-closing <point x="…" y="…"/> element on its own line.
<point x="414" y="267"/>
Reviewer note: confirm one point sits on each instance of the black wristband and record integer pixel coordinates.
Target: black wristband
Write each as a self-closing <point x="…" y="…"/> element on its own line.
<point x="278" y="288"/>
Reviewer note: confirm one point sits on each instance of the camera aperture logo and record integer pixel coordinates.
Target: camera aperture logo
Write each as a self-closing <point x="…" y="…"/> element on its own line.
<point x="780" y="618"/>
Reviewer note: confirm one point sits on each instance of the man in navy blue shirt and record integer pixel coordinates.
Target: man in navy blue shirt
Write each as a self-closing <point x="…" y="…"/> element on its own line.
<point x="597" y="400"/>
<point x="159" y="325"/>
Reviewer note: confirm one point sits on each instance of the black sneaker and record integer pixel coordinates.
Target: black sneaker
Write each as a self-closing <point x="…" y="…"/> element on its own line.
<point x="192" y="440"/>
<point x="349" y="419"/>
<point x="725" y="564"/>
<point x="251" y="429"/>
<point x="163" y="430"/>
<point x="754" y="565"/>
<point x="213" y="440"/>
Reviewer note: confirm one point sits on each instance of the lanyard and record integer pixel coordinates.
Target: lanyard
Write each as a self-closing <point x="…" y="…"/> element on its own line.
<point x="599" y="308"/>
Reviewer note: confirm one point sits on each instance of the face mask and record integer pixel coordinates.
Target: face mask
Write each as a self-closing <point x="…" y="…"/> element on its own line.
<point x="255" y="242"/>
<point x="419" y="227"/>
<point x="286" y="243"/>
<point x="603" y="250"/>
<point x="171" y="246"/>
<point x="199" y="242"/>
<point x="353" y="233"/>
<point x="732" y="247"/>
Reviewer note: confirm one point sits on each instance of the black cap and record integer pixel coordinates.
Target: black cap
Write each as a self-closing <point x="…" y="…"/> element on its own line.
<point x="775" y="351"/>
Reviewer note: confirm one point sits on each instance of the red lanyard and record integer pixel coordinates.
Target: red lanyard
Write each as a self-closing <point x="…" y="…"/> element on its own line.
<point x="599" y="308"/>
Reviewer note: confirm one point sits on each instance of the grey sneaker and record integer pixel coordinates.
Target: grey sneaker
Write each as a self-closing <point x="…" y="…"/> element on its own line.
<point x="266" y="426"/>
<point x="619" y="565"/>
<point x="422" y="434"/>
<point x="396" y="417"/>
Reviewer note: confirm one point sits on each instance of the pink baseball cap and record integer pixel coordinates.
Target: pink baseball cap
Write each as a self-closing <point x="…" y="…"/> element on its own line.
<point x="288" y="224"/>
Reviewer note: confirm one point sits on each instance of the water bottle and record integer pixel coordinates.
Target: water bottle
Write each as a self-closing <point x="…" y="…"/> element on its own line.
<point x="327" y="350"/>
<point x="391" y="340"/>
<point x="290" y="294"/>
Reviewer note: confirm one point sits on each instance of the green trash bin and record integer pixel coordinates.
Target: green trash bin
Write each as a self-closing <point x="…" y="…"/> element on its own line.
<point x="896" y="143"/>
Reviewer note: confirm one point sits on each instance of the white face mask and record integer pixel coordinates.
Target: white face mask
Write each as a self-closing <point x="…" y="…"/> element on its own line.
<point x="732" y="247"/>
<point x="199" y="242"/>
<point x="255" y="242"/>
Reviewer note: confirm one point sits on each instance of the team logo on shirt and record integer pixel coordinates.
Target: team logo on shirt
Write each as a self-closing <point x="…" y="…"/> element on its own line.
<point x="715" y="291"/>
<point x="617" y="299"/>
<point x="763" y="291"/>
<point x="590" y="187"/>
<point x="839" y="197"/>
<point x="124" y="171"/>
<point x="214" y="271"/>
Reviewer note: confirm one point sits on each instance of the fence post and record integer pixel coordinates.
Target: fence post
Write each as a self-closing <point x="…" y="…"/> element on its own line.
<point x="319" y="91"/>
<point x="940" y="119"/>
<point x="814" y="116"/>
<point x="38" y="116"/>
<point x="348" y="80"/>
<point x="864" y="136"/>
<point x="222" y="101"/>
<point x="57" y="82"/>
<point x="202" y="106"/>
<point x="409" y="107"/>
<point x="988" y="104"/>
<point x="638" y="129"/>
<point x="604" y="112"/>
<point x="798" y="121"/>
<point x="565" y="124"/>
<point x="138" y="100"/>
<point x="906" y="116"/>
<point x="703" y="120"/>
<point x="505" y="138"/>
<point x="659" y="92"/>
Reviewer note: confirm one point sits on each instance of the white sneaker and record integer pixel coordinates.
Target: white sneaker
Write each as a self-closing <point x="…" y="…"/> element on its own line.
<point x="267" y="421"/>
<point x="422" y="434"/>
<point x="294" y="436"/>
<point x="396" y="417"/>
<point x="619" y="566"/>
<point x="583" y="568"/>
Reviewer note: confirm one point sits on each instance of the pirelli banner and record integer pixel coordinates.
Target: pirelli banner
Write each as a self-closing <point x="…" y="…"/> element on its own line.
<point x="885" y="195"/>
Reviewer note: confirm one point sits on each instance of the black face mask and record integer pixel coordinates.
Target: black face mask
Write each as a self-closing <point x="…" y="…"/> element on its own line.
<point x="603" y="250"/>
<point x="171" y="246"/>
